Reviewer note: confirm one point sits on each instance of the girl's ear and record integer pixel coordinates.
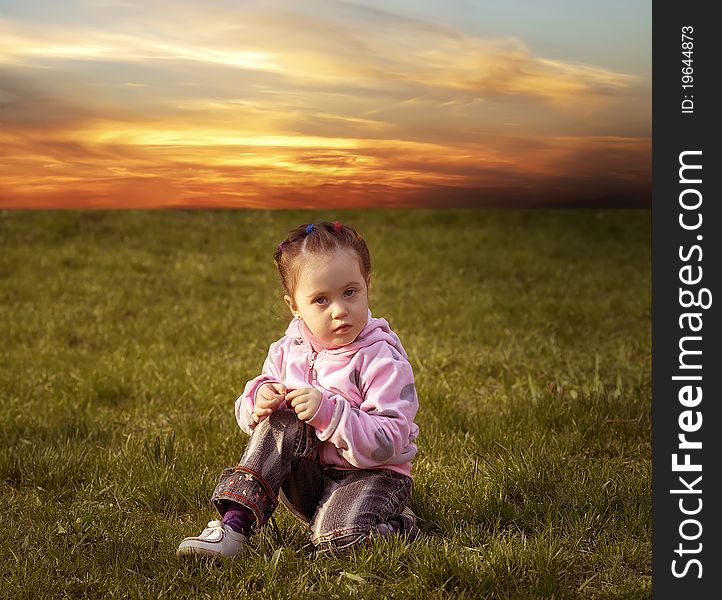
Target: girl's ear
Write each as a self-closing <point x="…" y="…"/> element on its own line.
<point x="291" y="305"/>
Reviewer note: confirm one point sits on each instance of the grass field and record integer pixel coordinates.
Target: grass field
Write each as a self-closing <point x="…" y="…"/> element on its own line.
<point x="127" y="336"/>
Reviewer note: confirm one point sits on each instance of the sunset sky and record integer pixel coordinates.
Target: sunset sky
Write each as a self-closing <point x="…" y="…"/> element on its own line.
<point x="267" y="103"/>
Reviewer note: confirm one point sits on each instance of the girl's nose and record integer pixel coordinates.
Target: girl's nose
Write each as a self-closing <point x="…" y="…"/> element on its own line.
<point x="339" y="310"/>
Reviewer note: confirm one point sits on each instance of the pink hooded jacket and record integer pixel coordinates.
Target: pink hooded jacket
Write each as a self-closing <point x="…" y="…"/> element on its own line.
<point x="366" y="417"/>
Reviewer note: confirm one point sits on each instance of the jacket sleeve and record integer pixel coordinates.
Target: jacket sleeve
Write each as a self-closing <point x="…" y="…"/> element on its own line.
<point x="381" y="430"/>
<point x="272" y="372"/>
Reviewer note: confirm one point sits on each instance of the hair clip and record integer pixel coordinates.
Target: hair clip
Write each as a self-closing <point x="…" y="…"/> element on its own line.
<point x="309" y="228"/>
<point x="337" y="226"/>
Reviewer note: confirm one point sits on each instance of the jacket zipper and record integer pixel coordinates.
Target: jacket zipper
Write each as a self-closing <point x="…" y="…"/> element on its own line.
<point x="311" y="362"/>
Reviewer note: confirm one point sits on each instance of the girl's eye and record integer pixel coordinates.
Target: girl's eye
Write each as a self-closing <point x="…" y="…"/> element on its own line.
<point x="349" y="292"/>
<point x="320" y="300"/>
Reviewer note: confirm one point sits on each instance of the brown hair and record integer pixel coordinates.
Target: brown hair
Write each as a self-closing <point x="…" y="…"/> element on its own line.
<point x="317" y="238"/>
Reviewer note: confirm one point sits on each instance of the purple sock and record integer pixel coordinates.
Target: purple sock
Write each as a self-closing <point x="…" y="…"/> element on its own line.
<point x="238" y="518"/>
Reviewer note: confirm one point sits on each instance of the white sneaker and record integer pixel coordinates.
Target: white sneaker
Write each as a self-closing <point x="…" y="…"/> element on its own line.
<point x="217" y="540"/>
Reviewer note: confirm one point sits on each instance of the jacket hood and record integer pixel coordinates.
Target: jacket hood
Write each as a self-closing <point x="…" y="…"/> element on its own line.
<point x="375" y="330"/>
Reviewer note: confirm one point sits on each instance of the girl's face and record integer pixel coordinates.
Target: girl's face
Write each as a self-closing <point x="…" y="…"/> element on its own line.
<point x="331" y="296"/>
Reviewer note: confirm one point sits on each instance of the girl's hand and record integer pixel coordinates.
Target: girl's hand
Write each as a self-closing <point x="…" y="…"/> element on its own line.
<point x="305" y="402"/>
<point x="268" y="397"/>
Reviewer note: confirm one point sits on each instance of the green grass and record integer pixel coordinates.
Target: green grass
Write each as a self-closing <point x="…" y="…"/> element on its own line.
<point x="125" y="338"/>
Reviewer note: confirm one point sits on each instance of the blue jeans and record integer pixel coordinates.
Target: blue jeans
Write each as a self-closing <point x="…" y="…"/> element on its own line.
<point x="342" y="507"/>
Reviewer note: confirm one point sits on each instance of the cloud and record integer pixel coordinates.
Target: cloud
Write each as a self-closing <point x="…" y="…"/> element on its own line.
<point x="288" y="102"/>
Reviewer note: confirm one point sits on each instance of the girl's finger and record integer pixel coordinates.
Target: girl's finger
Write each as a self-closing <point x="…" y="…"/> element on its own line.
<point x="266" y="399"/>
<point x="300" y="391"/>
<point x="296" y="394"/>
<point x="269" y="402"/>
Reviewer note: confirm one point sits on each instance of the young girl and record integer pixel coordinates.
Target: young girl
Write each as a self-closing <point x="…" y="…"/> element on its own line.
<point x="331" y="416"/>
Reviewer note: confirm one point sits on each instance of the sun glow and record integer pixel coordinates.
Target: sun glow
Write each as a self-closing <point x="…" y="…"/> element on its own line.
<point x="270" y="104"/>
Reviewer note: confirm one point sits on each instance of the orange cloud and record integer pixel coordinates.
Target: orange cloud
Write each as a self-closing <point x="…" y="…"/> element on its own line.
<point x="267" y="107"/>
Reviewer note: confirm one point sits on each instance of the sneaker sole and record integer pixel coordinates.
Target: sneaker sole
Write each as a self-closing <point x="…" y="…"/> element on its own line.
<point x="190" y="552"/>
<point x="185" y="551"/>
